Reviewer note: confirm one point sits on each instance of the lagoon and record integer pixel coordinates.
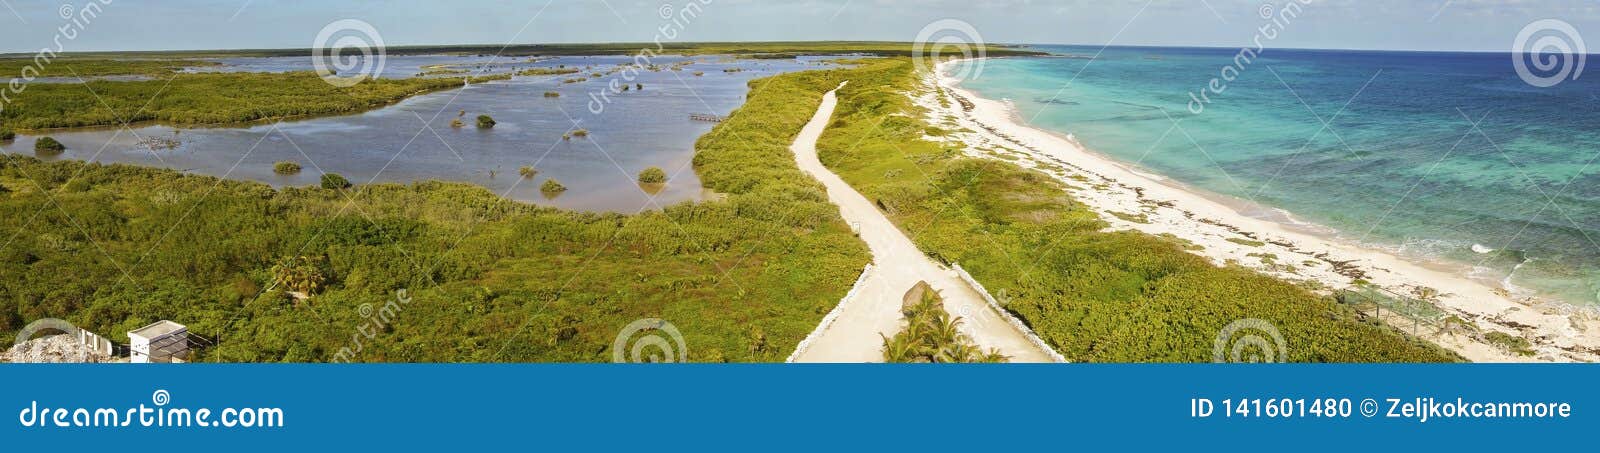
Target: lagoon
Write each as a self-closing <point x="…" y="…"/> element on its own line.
<point x="413" y="140"/>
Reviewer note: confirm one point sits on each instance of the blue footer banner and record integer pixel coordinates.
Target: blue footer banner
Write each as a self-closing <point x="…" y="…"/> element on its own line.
<point x="799" y="407"/>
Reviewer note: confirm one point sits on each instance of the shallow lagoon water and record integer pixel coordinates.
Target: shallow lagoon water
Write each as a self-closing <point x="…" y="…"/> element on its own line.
<point x="413" y="141"/>
<point x="394" y="66"/>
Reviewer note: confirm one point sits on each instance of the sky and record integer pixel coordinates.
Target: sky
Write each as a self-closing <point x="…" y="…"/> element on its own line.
<point x="1473" y="25"/>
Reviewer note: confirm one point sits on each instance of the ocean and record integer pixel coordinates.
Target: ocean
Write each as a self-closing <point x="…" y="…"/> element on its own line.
<point x="1448" y="158"/>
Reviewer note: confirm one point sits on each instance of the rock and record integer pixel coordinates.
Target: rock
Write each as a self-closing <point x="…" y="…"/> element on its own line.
<point x="52" y="349"/>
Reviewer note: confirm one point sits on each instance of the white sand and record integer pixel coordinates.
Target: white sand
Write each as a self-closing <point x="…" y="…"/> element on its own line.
<point x="898" y="265"/>
<point x="993" y="128"/>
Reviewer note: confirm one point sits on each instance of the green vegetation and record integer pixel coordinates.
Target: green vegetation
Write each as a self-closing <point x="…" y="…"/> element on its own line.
<point x="744" y="277"/>
<point x="580" y="133"/>
<point x="1511" y="343"/>
<point x="334" y="181"/>
<point x="286" y="167"/>
<point x="932" y="336"/>
<point x="546" y="71"/>
<point x="552" y="94"/>
<point x="48" y="146"/>
<point x="485" y="122"/>
<point x="207" y="98"/>
<point x="303" y="274"/>
<point x="1092" y="294"/>
<point x="552" y="186"/>
<point x="1247" y="242"/>
<point x="1130" y="217"/>
<point x="7" y="135"/>
<point x="527" y="171"/>
<point x="455" y="123"/>
<point x="88" y="68"/>
<point x="653" y="175"/>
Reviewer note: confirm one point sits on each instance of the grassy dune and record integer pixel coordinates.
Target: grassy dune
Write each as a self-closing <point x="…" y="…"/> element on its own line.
<point x="1093" y="295"/>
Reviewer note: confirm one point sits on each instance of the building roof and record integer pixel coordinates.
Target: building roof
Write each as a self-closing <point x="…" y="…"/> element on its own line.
<point x="156" y="330"/>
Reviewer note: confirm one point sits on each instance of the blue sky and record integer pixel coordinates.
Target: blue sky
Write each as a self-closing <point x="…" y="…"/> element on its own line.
<point x="27" y="25"/>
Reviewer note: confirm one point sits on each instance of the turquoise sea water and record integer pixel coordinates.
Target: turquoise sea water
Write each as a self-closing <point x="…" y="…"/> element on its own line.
<point x="1399" y="166"/>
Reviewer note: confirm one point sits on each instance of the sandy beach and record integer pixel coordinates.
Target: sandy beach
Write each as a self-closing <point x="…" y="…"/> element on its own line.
<point x="1464" y="313"/>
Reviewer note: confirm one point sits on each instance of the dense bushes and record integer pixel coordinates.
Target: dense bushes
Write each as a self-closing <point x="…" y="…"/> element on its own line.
<point x="653" y="175"/>
<point x="334" y="181"/>
<point x="1093" y="295"/>
<point x="485" y="122"/>
<point x="552" y="186"/>
<point x="286" y="167"/>
<point x="744" y="278"/>
<point x="73" y="67"/>
<point x="48" y="146"/>
<point x="206" y="98"/>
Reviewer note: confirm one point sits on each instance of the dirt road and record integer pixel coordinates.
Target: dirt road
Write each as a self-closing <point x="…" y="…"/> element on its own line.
<point x="898" y="265"/>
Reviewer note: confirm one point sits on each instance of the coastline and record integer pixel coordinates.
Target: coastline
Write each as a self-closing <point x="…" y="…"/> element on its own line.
<point x="1276" y="244"/>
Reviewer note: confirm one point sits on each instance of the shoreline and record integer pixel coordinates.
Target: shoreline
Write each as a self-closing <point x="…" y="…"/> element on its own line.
<point x="1276" y="243"/>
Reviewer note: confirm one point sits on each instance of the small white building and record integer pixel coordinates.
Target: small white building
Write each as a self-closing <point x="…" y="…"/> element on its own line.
<point x="161" y="342"/>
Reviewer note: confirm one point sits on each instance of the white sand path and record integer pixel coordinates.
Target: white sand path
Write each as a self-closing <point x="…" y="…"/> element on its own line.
<point x="898" y="265"/>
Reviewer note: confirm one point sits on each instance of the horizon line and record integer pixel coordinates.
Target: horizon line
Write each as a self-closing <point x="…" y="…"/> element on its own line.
<point x="14" y="54"/>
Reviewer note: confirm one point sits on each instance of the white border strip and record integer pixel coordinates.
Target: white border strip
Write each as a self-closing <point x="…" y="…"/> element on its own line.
<point x="1017" y="323"/>
<point x="833" y="315"/>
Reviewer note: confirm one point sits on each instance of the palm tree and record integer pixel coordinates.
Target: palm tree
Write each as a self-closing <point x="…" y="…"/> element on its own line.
<point x="957" y="353"/>
<point x="898" y="349"/>
<point x="300" y="274"/>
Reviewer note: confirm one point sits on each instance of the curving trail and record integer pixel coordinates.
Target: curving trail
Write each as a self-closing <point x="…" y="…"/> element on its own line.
<point x="898" y="265"/>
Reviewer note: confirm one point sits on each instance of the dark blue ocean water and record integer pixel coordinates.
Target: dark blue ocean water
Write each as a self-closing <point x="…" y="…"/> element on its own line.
<point x="1427" y="154"/>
